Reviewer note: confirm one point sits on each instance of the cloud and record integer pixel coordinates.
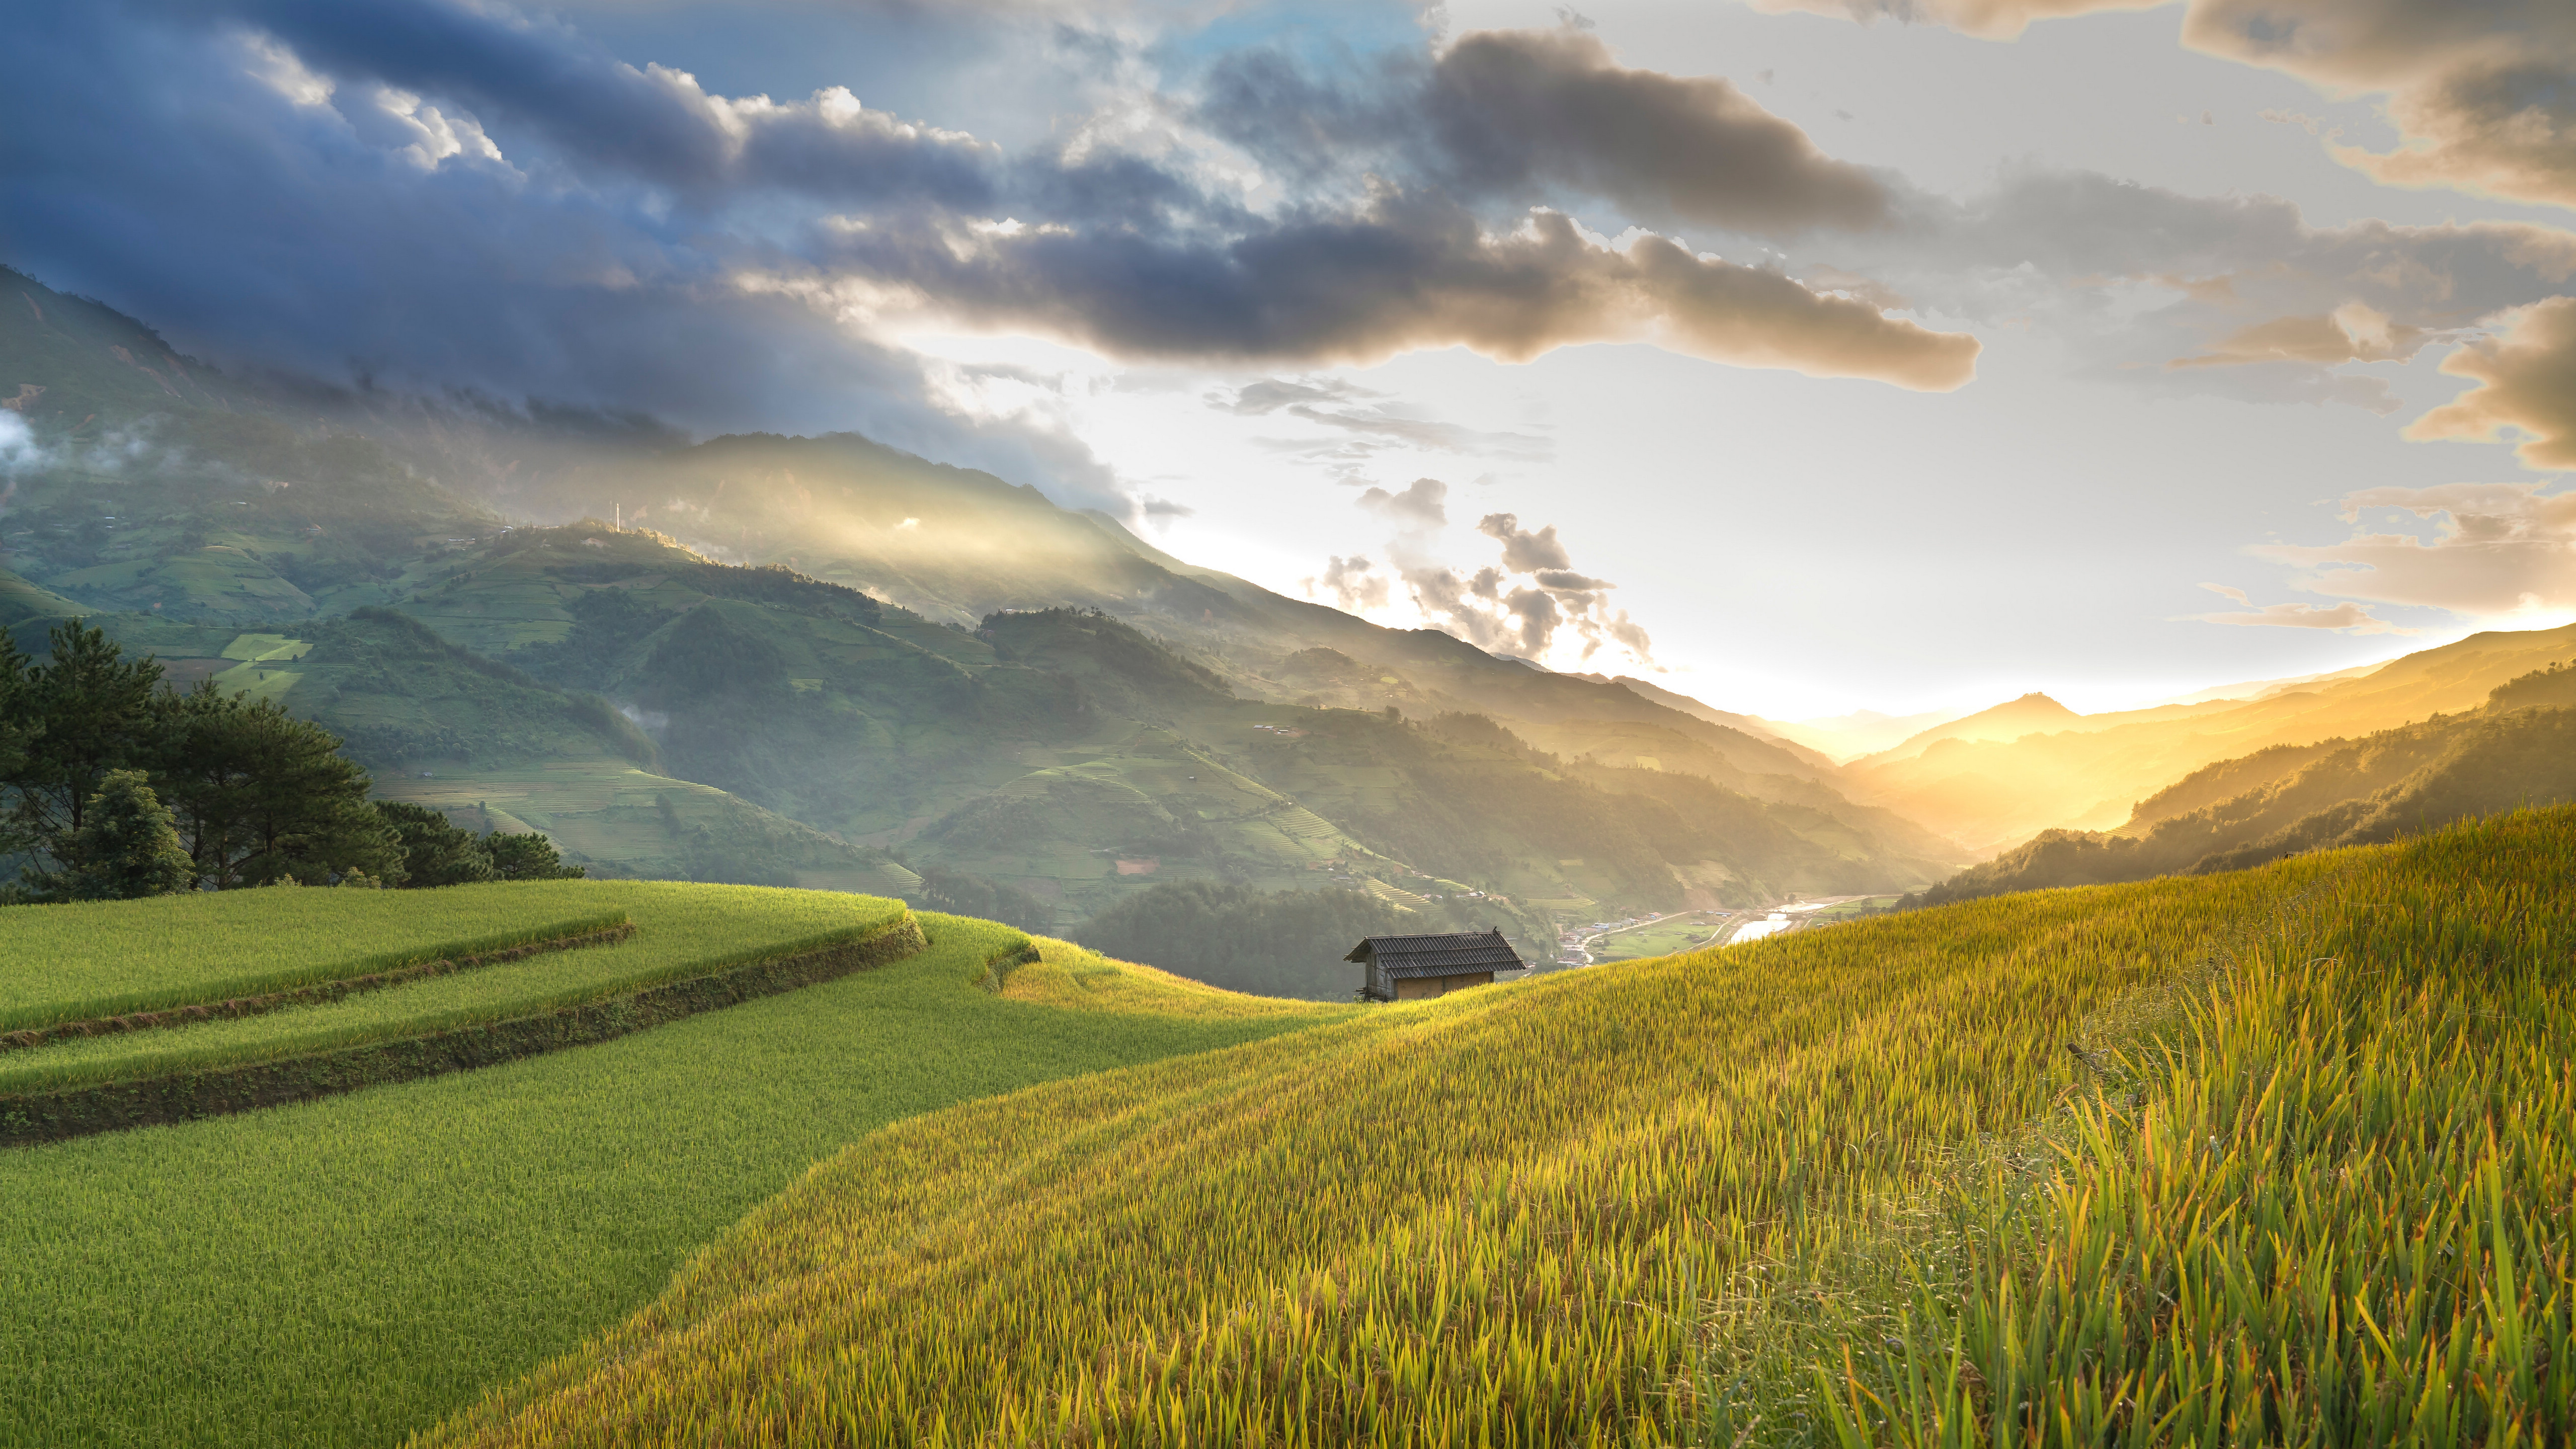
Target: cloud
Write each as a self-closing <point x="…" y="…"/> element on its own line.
<point x="1402" y="272"/>
<point x="2354" y="332"/>
<point x="2480" y="93"/>
<point x="1160" y="512"/>
<point x="1489" y="610"/>
<point x="1421" y="506"/>
<point x="437" y="196"/>
<point x="2526" y="383"/>
<point x="1566" y="581"/>
<point x="1353" y="584"/>
<point x="1271" y="394"/>
<point x="2500" y="551"/>
<point x="1363" y="412"/>
<point x="19" y="450"/>
<point x="2233" y="295"/>
<point x="1986" y="19"/>
<point x="2349" y="618"/>
<point x="521" y="285"/>
<point x="1512" y="108"/>
<point x="1524" y="552"/>
<point x="1510" y="115"/>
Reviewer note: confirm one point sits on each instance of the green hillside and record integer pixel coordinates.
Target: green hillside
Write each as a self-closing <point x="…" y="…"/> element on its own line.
<point x="672" y="933"/>
<point x="2519" y="750"/>
<point x="402" y="1250"/>
<point x="2198" y="1160"/>
<point x="956" y="546"/>
<point x="1065" y="753"/>
<point x="908" y="663"/>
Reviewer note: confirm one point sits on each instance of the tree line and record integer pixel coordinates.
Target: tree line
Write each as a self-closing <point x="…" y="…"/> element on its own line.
<point x="113" y="785"/>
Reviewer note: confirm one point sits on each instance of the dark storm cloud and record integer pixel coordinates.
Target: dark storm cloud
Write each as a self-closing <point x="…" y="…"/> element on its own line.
<point x="1516" y="114"/>
<point x="1403" y="272"/>
<point x="152" y="165"/>
<point x="434" y="195"/>
<point x="655" y="124"/>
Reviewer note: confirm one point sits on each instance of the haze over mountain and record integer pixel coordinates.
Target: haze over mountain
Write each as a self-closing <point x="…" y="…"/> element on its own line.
<point x="843" y="666"/>
<point x="699" y="702"/>
<point x="1003" y="446"/>
<point x="2518" y="751"/>
<point x="2085" y="772"/>
<point x="1858" y="385"/>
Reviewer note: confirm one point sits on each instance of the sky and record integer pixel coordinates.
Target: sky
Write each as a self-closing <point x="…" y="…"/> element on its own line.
<point x="1802" y="355"/>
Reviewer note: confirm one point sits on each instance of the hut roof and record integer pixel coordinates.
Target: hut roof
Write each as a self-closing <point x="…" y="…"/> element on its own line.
<point x="1458" y="953"/>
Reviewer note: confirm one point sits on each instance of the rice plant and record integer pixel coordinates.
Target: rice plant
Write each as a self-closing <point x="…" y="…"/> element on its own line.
<point x="91" y="959"/>
<point x="336" y="1274"/>
<point x="1846" y="1187"/>
<point x="681" y="930"/>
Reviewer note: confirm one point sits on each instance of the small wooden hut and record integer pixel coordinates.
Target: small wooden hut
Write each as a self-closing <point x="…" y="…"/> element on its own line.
<point x="1408" y="968"/>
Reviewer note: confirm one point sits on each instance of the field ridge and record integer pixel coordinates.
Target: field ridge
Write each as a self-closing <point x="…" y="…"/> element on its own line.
<point x="79" y="1111"/>
<point x="598" y="932"/>
<point x="40" y="930"/>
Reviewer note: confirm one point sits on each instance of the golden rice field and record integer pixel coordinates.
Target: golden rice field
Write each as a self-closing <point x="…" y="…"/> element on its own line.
<point x="2280" y="1157"/>
<point x="91" y="959"/>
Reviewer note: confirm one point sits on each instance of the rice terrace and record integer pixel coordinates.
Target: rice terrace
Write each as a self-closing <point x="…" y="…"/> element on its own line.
<point x="1117" y="724"/>
<point x="2218" y="1158"/>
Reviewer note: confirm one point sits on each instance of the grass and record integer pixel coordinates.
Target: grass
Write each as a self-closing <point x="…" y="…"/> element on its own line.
<point x="1068" y="975"/>
<point x="680" y="931"/>
<point x="91" y="959"/>
<point x="1842" y="1188"/>
<point x="1669" y="936"/>
<point x="2332" y="1208"/>
<point x="343" y="1271"/>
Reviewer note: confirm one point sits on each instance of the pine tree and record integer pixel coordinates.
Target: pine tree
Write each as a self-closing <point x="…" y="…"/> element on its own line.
<point x="436" y="851"/>
<point x="83" y="713"/>
<point x="528" y="856"/>
<point x="126" y="847"/>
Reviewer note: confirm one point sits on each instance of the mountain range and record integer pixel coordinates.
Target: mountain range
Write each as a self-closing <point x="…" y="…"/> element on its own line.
<point x="828" y="662"/>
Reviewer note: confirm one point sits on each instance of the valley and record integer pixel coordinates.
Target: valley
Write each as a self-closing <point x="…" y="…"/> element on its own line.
<point x="844" y="666"/>
<point x="1798" y="724"/>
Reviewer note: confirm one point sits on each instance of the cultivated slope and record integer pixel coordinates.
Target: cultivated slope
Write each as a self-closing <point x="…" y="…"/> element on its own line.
<point x="1732" y="1198"/>
<point x="341" y="1273"/>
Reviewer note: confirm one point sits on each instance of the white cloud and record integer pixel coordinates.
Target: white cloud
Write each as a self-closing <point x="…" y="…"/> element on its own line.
<point x="2501" y="552"/>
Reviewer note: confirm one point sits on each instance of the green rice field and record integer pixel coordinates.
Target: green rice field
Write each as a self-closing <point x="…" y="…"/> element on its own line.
<point x="91" y="959"/>
<point x="344" y="1271"/>
<point x="1673" y="934"/>
<point x="680" y="931"/>
<point x="2277" y="1157"/>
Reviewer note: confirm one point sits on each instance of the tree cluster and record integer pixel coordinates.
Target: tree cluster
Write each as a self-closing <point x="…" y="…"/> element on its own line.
<point x="961" y="894"/>
<point x="112" y="786"/>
